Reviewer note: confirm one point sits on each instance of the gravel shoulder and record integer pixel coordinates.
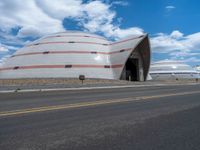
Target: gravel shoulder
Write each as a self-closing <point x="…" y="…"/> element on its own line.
<point x="21" y="84"/>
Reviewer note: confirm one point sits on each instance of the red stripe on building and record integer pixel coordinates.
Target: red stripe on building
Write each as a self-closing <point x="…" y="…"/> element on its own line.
<point x="60" y="66"/>
<point x="63" y="42"/>
<point x="73" y="52"/>
<point x="41" y="66"/>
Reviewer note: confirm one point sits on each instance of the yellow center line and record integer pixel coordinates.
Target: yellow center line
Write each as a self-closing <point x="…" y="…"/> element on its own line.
<point x="87" y="104"/>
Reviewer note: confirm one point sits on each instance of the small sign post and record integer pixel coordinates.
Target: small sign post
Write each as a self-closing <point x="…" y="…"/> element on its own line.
<point x="81" y="77"/>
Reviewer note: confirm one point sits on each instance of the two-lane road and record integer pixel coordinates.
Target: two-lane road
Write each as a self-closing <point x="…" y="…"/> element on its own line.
<point x="165" y="117"/>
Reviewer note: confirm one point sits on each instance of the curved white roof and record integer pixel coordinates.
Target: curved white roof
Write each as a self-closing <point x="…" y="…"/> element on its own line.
<point x="73" y="53"/>
<point x="171" y="68"/>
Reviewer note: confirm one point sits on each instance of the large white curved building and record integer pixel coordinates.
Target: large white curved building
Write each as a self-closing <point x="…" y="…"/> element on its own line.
<point x="168" y="69"/>
<point x="70" y="54"/>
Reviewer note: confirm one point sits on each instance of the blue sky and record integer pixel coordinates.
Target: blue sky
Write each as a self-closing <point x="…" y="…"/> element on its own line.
<point x="173" y="25"/>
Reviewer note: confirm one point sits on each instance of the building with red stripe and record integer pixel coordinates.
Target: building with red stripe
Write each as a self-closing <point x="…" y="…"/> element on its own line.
<point x="71" y="54"/>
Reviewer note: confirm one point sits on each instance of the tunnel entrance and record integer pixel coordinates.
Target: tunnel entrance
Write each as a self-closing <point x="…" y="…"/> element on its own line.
<point x="131" y="70"/>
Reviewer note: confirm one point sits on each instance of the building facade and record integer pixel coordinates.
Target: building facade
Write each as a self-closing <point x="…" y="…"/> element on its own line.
<point x="71" y="54"/>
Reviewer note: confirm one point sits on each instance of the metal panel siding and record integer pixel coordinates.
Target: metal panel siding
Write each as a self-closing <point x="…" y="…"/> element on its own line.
<point x="59" y="73"/>
<point x="59" y="59"/>
<point x="107" y="65"/>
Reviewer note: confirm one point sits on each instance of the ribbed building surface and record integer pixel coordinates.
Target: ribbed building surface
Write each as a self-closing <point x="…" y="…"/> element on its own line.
<point x="172" y="70"/>
<point x="70" y="54"/>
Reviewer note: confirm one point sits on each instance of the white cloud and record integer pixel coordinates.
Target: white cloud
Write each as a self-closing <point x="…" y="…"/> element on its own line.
<point x="122" y="33"/>
<point x="192" y="41"/>
<point x="28" y="16"/>
<point x="121" y="3"/>
<point x="3" y="48"/>
<point x="170" y="7"/>
<point x="176" y="34"/>
<point x="192" y="60"/>
<point x="100" y="19"/>
<point x="2" y="60"/>
<point x="177" y="46"/>
<point x="183" y="54"/>
<point x="97" y="14"/>
<point x="61" y="8"/>
<point x="163" y="43"/>
<point x="37" y="18"/>
<point x="9" y="39"/>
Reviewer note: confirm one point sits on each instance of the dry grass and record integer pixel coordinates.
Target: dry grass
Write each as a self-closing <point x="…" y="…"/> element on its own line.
<point x="55" y="81"/>
<point x="63" y="81"/>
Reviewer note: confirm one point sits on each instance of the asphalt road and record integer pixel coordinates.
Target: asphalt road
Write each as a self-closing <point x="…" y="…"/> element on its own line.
<point x="144" y="118"/>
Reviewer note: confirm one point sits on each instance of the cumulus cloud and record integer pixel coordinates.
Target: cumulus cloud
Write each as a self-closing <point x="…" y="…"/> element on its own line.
<point x="3" y="48"/>
<point x="61" y="9"/>
<point x="177" y="46"/>
<point x="37" y="18"/>
<point x="122" y="33"/>
<point x="176" y="34"/>
<point x="163" y="43"/>
<point x="11" y="41"/>
<point x="27" y="15"/>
